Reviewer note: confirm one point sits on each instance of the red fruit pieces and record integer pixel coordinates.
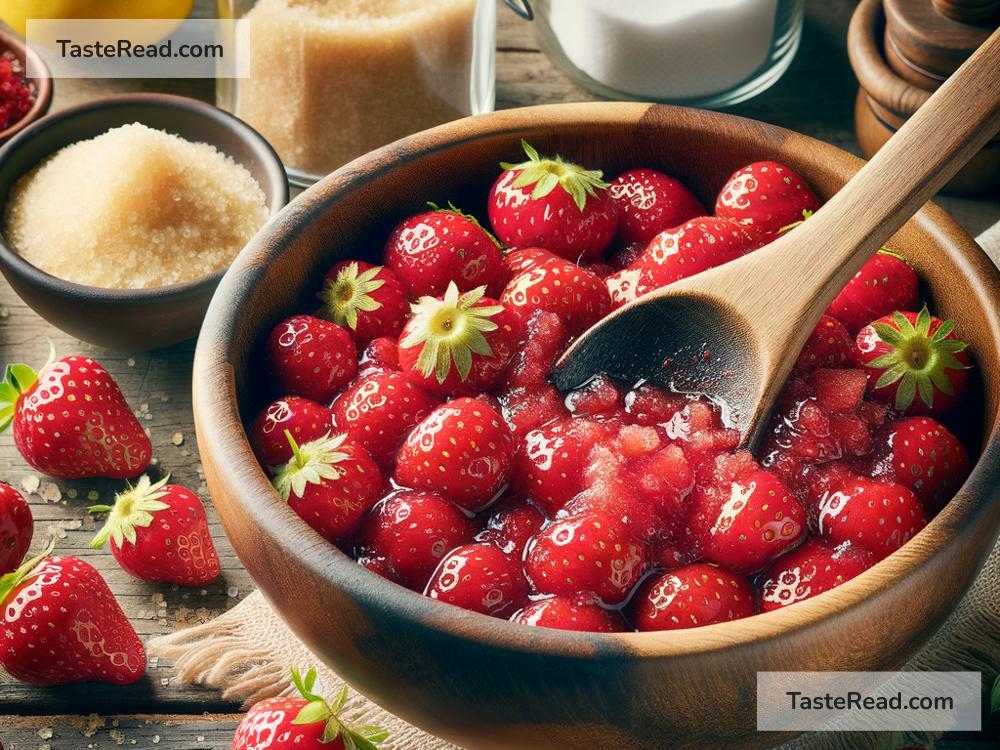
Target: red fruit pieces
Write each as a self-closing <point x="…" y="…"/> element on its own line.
<point x="527" y="409"/>
<point x="481" y="578"/>
<point x="649" y="202"/>
<point x="839" y="390"/>
<point x="884" y="284"/>
<point x="590" y="555"/>
<point x="829" y="345"/>
<point x="765" y="197"/>
<point x="462" y="450"/>
<point x="511" y="524"/>
<point x="598" y="397"/>
<point x="433" y="249"/>
<point x="813" y="568"/>
<point x="311" y="357"/>
<point x="542" y="341"/>
<point x="305" y="419"/>
<point x="369" y="301"/>
<point x="565" y="613"/>
<point x="690" y="597"/>
<point x="576" y="295"/>
<point x="16" y="528"/>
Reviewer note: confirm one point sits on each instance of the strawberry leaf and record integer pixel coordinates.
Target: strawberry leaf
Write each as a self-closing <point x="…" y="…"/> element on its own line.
<point x="313" y="713"/>
<point x="12" y="580"/>
<point x="906" y="391"/>
<point x="888" y="334"/>
<point x="315" y="462"/>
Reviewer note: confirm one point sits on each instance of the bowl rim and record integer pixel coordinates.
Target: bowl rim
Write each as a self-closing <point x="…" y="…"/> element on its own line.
<point x="216" y="411"/>
<point x="43" y="84"/>
<point x="189" y="290"/>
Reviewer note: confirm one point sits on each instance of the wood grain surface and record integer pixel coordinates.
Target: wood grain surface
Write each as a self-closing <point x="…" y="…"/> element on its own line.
<point x="815" y="96"/>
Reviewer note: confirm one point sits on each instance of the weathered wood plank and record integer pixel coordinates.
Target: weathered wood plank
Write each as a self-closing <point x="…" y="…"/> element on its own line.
<point x="148" y="732"/>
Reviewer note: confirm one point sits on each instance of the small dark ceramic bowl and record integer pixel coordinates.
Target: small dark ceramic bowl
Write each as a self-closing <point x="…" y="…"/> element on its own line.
<point x="130" y="318"/>
<point x="43" y="85"/>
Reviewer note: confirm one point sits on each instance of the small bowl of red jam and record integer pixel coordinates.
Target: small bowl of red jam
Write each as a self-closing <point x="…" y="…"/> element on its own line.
<point x="22" y="99"/>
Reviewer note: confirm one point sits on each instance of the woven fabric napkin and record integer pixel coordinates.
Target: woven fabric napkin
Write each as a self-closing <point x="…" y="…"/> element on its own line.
<point x="247" y="653"/>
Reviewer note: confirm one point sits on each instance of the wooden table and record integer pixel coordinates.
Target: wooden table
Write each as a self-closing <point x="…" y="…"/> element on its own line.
<point x="815" y="96"/>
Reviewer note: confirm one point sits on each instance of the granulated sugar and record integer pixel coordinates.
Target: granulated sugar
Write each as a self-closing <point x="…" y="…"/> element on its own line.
<point x="134" y="208"/>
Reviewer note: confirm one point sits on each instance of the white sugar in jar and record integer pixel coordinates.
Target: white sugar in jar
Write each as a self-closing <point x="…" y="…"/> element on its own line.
<point x="696" y="52"/>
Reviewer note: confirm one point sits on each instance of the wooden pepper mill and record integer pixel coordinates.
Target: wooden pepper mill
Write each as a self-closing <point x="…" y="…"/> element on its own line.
<point x="901" y="51"/>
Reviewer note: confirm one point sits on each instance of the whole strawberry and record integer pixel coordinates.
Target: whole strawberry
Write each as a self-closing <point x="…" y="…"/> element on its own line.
<point x="369" y="301"/>
<point x="71" y="421"/>
<point x="311" y="357"/>
<point x="331" y="483"/>
<point x="381" y="354"/>
<point x="566" y="613"/>
<point x="884" y="284"/>
<point x="305" y="419"/>
<point x="553" y="204"/>
<point x="576" y="295"/>
<point x="60" y="624"/>
<point x="914" y="362"/>
<point x="159" y="533"/>
<point x="16" y="528"/>
<point x="303" y="722"/>
<point x="813" y="568"/>
<point x="433" y="249"/>
<point x="512" y="522"/>
<point x="481" y="578"/>
<point x="764" y="197"/>
<point x="690" y="597"/>
<point x="650" y="202"/>
<point x="828" y="346"/>
<point x="459" y="344"/>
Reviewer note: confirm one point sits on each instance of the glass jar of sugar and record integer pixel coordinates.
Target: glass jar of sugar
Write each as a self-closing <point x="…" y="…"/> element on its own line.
<point x="330" y="80"/>
<point x="701" y="53"/>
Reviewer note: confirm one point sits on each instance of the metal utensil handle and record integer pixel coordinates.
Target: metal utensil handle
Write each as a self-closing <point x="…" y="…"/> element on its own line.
<point x="522" y="8"/>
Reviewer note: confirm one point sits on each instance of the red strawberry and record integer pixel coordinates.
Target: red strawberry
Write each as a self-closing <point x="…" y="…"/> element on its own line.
<point x="481" y="578"/>
<point x="811" y="569"/>
<point x="649" y="202"/>
<point x="303" y="722"/>
<point x="159" y="532"/>
<point x="71" y="421"/>
<point x="591" y="554"/>
<point x="829" y="345"/>
<point x="884" y="284"/>
<point x="462" y="451"/>
<point x="553" y="204"/>
<point x="459" y="344"/>
<point x="745" y="523"/>
<point x="575" y="294"/>
<point x="765" y="197"/>
<point x="565" y="613"/>
<point x="690" y="597"/>
<point x="369" y="301"/>
<point x="879" y="516"/>
<point x="16" y="528"/>
<point x="331" y="483"/>
<point x="429" y="251"/>
<point x="305" y="419"/>
<point x="380" y="354"/>
<point x="379" y="410"/>
<point x="599" y="397"/>
<point x="311" y="357"/>
<point x="527" y="409"/>
<point x="920" y="453"/>
<point x="838" y="391"/>
<point x="60" y="624"/>
<point x="914" y="362"/>
<point x="525" y="258"/>
<point x="542" y="341"/>
<point x="511" y="524"/>
<point x="412" y="531"/>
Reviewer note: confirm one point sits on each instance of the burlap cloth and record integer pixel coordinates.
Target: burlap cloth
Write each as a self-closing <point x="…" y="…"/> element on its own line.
<point x="247" y="652"/>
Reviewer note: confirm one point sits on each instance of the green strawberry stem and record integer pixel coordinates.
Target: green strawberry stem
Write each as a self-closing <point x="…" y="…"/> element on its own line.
<point x="806" y="214"/>
<point x="547" y="174"/>
<point x="315" y="462"/>
<point x="132" y="508"/>
<point x="317" y="709"/>
<point x="350" y="293"/>
<point x="12" y="580"/>
<point x="18" y="380"/>
<point x="300" y="459"/>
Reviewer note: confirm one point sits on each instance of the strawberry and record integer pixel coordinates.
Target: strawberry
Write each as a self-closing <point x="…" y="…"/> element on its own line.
<point x="159" y="533"/>
<point x="627" y="256"/>
<point x="765" y="197"/>
<point x="481" y="578"/>
<point x="600" y="397"/>
<point x="829" y="345"/>
<point x="369" y="301"/>
<point x="532" y="407"/>
<point x="920" y="453"/>
<point x="553" y="204"/>
<point x="458" y="344"/>
<point x="649" y="202"/>
<point x="412" y="531"/>
<point x="311" y="357"/>
<point x="60" y="624"/>
<point x="575" y="294"/>
<point x="71" y="421"/>
<point x="462" y="450"/>
<point x="744" y="523"/>
<point x="433" y="249"/>
<point x="525" y="258"/>
<point x="380" y="354"/>
<point x="590" y="554"/>
<point x="542" y="341"/>
<point x="565" y="613"/>
<point x="379" y="410"/>
<point x="303" y="722"/>
<point x="914" y="362"/>
<point x="331" y="483"/>
<point x="690" y="597"/>
<point x="16" y="528"/>
<point x="305" y="419"/>
<point x="813" y="568"/>
<point x="512" y="522"/>
<point x="884" y="284"/>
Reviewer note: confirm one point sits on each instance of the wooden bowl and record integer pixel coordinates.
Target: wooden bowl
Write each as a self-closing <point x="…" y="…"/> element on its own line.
<point x="491" y="684"/>
<point x="43" y="84"/>
<point x="129" y="318"/>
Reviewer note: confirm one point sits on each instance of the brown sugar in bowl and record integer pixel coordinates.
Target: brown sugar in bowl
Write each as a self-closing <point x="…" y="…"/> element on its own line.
<point x="489" y="684"/>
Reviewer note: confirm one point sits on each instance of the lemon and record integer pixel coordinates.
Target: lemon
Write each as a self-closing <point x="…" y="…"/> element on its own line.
<point x="16" y="12"/>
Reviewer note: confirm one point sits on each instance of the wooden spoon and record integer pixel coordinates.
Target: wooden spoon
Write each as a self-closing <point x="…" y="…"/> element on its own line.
<point x="733" y="332"/>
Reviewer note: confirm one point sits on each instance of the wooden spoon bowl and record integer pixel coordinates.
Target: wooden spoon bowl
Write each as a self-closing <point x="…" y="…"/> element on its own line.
<point x="487" y="683"/>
